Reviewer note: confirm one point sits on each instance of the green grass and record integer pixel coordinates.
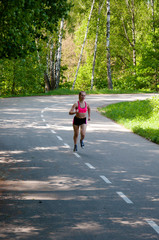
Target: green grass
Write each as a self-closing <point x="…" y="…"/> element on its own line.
<point x="142" y="117"/>
<point x="62" y="91"/>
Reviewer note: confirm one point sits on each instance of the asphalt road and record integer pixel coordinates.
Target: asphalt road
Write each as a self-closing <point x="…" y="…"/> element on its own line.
<point x="107" y="191"/>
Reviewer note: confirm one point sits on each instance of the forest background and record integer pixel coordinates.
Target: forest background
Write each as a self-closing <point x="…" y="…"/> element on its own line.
<point x="51" y="44"/>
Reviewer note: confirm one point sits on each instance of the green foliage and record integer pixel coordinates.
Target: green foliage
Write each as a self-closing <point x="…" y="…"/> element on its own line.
<point x="85" y="71"/>
<point x="21" y="22"/>
<point x="83" y="79"/>
<point x="21" y="76"/>
<point x="148" y="70"/>
<point x="139" y="116"/>
<point x="25" y="22"/>
<point x="124" y="74"/>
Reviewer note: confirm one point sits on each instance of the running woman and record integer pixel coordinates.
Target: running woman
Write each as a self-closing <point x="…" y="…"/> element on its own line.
<point x="80" y="109"/>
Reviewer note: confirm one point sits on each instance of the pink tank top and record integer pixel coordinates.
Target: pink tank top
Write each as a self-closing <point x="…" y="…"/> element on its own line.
<point x="82" y="110"/>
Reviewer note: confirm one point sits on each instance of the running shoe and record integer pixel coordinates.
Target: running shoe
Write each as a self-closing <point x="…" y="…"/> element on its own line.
<point x="75" y="148"/>
<point x="82" y="143"/>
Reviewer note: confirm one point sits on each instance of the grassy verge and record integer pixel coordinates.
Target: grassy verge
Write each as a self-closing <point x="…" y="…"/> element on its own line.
<point x="62" y="91"/>
<point x="142" y="117"/>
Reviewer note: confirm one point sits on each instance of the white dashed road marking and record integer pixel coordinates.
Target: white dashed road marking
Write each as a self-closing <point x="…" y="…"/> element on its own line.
<point x="77" y="155"/>
<point x="59" y="138"/>
<point x="53" y="131"/>
<point x="105" y="179"/>
<point x="90" y="166"/>
<point x="66" y="145"/>
<point x="124" y="197"/>
<point x="153" y="225"/>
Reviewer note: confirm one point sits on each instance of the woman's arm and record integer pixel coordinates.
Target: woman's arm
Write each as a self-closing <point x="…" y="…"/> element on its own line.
<point x="73" y="109"/>
<point x="89" y="112"/>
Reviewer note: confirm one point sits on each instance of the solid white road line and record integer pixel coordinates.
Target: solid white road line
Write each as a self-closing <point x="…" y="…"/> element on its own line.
<point x="59" y="138"/>
<point x="124" y="197"/>
<point x="77" y="155"/>
<point x="153" y="225"/>
<point x="90" y="166"/>
<point x="105" y="179"/>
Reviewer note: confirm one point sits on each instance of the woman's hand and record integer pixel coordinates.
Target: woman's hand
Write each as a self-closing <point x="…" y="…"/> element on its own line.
<point x="76" y="110"/>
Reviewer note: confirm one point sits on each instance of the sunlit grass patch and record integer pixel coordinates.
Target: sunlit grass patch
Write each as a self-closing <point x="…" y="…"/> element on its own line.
<point x="142" y="117"/>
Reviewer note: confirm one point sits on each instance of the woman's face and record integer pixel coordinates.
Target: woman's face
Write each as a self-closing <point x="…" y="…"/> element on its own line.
<point x="82" y="96"/>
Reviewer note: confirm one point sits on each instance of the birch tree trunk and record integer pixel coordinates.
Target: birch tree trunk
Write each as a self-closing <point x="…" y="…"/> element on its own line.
<point x="47" y="83"/>
<point x="58" y="66"/>
<point x="110" y="85"/>
<point x="133" y="34"/>
<point x="96" y="41"/>
<point x="47" y="61"/>
<point x="37" y="50"/>
<point x="46" y="76"/>
<point x="79" y="62"/>
<point x="52" y="67"/>
<point x="46" y="73"/>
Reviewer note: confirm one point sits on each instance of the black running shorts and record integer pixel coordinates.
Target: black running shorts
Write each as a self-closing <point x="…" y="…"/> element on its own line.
<point x="79" y="121"/>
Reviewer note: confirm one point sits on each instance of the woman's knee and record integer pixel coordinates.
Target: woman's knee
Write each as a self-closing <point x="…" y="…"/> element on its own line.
<point x="83" y="133"/>
<point x="76" y="134"/>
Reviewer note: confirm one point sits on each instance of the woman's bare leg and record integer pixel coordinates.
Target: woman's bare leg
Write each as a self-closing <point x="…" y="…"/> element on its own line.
<point x="83" y="131"/>
<point x="76" y="133"/>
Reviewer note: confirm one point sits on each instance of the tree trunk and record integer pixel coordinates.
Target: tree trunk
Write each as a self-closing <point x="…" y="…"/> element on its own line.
<point x="47" y="83"/>
<point x="110" y="85"/>
<point x="38" y="55"/>
<point x="46" y="73"/>
<point x="96" y="41"/>
<point x="79" y="62"/>
<point x="59" y="54"/>
<point x="47" y="61"/>
<point x="52" y="66"/>
<point x="133" y="34"/>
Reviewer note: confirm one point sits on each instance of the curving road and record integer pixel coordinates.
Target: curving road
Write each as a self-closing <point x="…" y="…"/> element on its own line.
<point x="109" y="190"/>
